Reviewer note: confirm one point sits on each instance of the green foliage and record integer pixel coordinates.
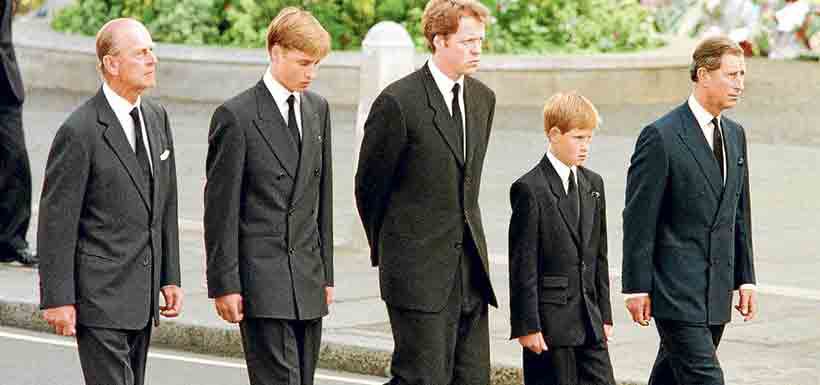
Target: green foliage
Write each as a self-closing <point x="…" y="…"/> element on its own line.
<point x="518" y="26"/>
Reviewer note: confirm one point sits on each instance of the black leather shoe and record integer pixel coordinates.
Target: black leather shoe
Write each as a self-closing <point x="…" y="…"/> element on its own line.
<point x="27" y="258"/>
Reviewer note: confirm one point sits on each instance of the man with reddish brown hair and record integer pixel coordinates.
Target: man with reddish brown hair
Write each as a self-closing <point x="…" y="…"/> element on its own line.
<point x="269" y="207"/>
<point x="417" y="188"/>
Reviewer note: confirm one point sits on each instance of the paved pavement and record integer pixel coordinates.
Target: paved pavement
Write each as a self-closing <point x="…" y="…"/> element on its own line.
<point x="781" y="347"/>
<point x="34" y="352"/>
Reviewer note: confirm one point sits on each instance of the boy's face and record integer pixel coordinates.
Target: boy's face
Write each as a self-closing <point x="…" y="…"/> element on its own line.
<point x="294" y="69"/>
<point x="572" y="147"/>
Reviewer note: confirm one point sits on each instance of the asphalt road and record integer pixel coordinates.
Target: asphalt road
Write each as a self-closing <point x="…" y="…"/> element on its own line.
<point x="28" y="358"/>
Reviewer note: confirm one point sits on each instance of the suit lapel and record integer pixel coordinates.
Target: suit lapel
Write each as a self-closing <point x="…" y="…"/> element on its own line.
<point x="588" y="206"/>
<point x="115" y="137"/>
<point x="731" y="147"/>
<point x="475" y="131"/>
<point x="692" y="137"/>
<point x="311" y="140"/>
<point x="442" y="118"/>
<point x="564" y="204"/>
<point x="152" y="127"/>
<point x="273" y="129"/>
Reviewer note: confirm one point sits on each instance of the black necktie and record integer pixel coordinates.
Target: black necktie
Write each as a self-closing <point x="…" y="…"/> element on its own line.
<point x="572" y="197"/>
<point x="292" y="125"/>
<point x="717" y="145"/>
<point x="457" y="119"/>
<point x="139" y="148"/>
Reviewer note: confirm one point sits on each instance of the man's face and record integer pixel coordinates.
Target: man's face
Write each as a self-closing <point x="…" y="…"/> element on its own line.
<point x="460" y="53"/>
<point x="294" y="69"/>
<point x="724" y="86"/>
<point x="134" y="63"/>
<point x="572" y="147"/>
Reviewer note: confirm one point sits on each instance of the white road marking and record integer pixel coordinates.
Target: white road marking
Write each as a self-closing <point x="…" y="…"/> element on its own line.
<point x="192" y="360"/>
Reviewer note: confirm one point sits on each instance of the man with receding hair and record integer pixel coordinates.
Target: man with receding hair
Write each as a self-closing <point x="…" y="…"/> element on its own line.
<point x="269" y="207"/>
<point x="108" y="232"/>
<point x="687" y="222"/>
<point x="417" y="188"/>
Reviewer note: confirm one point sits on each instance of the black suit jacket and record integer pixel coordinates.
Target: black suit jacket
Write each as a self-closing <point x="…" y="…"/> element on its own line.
<point x="11" y="85"/>
<point x="268" y="214"/>
<point x="687" y="237"/>
<point x="105" y="243"/>
<point x="559" y="276"/>
<point x="416" y="193"/>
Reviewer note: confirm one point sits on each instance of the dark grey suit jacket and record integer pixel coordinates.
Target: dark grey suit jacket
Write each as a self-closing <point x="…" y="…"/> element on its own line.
<point x="416" y="193"/>
<point x="559" y="276"/>
<point x="268" y="214"/>
<point x="687" y="237"/>
<point x="105" y="244"/>
<point x="11" y="85"/>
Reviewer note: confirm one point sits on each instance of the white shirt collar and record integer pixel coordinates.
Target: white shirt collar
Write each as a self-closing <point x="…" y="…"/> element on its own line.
<point x="562" y="170"/>
<point x="701" y="115"/>
<point x="278" y="91"/>
<point x="444" y="83"/>
<point x="120" y="106"/>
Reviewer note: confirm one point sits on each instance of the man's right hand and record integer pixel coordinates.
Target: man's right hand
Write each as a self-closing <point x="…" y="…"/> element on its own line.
<point x="534" y="342"/>
<point x="63" y="319"/>
<point x="229" y="307"/>
<point x="640" y="308"/>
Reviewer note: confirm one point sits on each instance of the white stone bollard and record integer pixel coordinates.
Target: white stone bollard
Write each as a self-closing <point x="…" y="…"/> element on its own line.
<point x="387" y="55"/>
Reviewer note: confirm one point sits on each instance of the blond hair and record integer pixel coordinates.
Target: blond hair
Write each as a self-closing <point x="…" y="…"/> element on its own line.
<point x="569" y="110"/>
<point x="709" y="54"/>
<point x="442" y="17"/>
<point x="294" y="28"/>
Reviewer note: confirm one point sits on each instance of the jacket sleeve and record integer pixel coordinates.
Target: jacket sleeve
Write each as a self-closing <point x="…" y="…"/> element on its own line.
<point x="224" y="168"/>
<point x="645" y="186"/>
<point x="61" y="204"/>
<point x="602" y="274"/>
<point x="744" y="261"/>
<point x="524" y="254"/>
<point x="326" y="201"/>
<point x="385" y="136"/>
<point x="170" y="273"/>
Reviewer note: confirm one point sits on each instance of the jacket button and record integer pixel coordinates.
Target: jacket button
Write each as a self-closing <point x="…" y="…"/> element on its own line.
<point x="316" y="172"/>
<point x="145" y="261"/>
<point x="468" y="180"/>
<point x="291" y="250"/>
<point x="583" y="266"/>
<point x="457" y="246"/>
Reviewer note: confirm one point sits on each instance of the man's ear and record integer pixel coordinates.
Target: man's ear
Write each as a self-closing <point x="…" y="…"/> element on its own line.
<point x="439" y="41"/>
<point x="702" y="73"/>
<point x="110" y="65"/>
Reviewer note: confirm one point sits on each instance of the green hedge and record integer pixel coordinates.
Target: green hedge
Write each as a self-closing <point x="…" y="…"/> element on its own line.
<point x="518" y="26"/>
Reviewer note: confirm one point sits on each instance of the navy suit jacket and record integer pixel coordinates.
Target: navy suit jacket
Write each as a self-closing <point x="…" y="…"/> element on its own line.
<point x="687" y="236"/>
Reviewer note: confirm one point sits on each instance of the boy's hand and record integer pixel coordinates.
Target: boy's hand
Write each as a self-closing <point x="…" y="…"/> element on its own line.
<point x="534" y="342"/>
<point x="608" y="332"/>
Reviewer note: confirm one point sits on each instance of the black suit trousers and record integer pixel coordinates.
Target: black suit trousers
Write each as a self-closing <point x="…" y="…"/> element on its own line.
<point x="281" y="351"/>
<point x="448" y="347"/>
<point x="687" y="354"/>
<point x="15" y="181"/>
<point x="113" y="356"/>
<point x="588" y="364"/>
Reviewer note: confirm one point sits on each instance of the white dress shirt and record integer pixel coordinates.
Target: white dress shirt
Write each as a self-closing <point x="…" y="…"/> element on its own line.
<point x="122" y="110"/>
<point x="563" y="170"/>
<point x="704" y="119"/>
<point x="445" y="86"/>
<point x="280" y="96"/>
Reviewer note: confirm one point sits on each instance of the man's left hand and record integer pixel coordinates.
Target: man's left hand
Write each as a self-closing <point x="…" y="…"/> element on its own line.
<point x="747" y="304"/>
<point x="329" y="293"/>
<point x="173" y="301"/>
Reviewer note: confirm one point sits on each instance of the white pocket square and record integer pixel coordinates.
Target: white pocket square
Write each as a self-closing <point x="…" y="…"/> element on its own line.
<point x="164" y="155"/>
